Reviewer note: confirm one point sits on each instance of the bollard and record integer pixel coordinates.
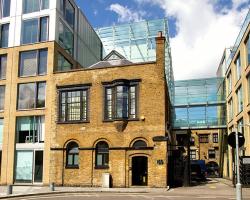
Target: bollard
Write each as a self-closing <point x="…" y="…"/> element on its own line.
<point x="9" y="189"/>
<point x="52" y="186"/>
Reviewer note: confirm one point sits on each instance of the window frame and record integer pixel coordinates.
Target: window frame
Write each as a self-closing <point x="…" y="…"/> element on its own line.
<point x="192" y="154"/>
<point x="204" y="137"/>
<point x="4" y="90"/>
<point x="209" y="153"/>
<point x="37" y="63"/>
<point x="238" y="64"/>
<point x="247" y="49"/>
<point x="113" y="86"/>
<point x="240" y="103"/>
<point x="38" y="37"/>
<point x="1" y="37"/>
<point x="3" y="77"/>
<point x="63" y="12"/>
<point x="68" y="148"/>
<point x="36" y="96"/>
<point x="215" y="138"/>
<point x="40" y="7"/>
<point x="66" y="89"/>
<point x="104" y="156"/>
<point x="2" y="8"/>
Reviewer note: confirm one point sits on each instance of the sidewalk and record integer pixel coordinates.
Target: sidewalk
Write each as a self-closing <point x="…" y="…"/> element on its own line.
<point x="19" y="191"/>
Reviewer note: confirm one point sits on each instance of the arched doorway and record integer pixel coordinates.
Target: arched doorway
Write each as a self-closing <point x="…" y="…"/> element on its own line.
<point x="212" y="169"/>
<point x="140" y="171"/>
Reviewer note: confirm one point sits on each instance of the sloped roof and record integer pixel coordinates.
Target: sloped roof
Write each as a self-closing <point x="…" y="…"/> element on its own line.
<point x="114" y="55"/>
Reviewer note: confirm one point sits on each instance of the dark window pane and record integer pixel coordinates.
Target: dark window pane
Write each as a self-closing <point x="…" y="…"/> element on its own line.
<point x="66" y="38"/>
<point x="102" y="154"/>
<point x="63" y="63"/>
<point x="69" y="13"/>
<point x="3" y="64"/>
<point x="4" y="35"/>
<point x="41" y="95"/>
<point x="72" y="154"/>
<point x="139" y="143"/>
<point x="30" y="31"/>
<point x="27" y="96"/>
<point x="121" y="102"/>
<point x="44" y="29"/>
<point x="43" y="58"/>
<point x="28" y="63"/>
<point x="2" y="95"/>
<point x="31" y="6"/>
<point x="6" y="8"/>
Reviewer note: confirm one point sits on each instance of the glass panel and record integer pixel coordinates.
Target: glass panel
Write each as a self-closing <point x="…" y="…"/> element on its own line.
<point x="63" y="63"/>
<point x="38" y="174"/>
<point x="1" y="131"/>
<point x="70" y="159"/>
<point x="132" y="102"/>
<point x="45" y="4"/>
<point x="28" y="63"/>
<point x="6" y="8"/>
<point x="3" y="65"/>
<point x="121" y="102"/>
<point x="69" y="13"/>
<point x="76" y="158"/>
<point x="108" y="103"/>
<point x="44" y="29"/>
<point x="27" y="96"/>
<point x="24" y="166"/>
<point x="43" y="59"/>
<point x="139" y="143"/>
<point x="248" y="50"/>
<point x="30" y="31"/>
<point x="66" y="38"/>
<point x="41" y="95"/>
<point x="2" y="95"/>
<point x="73" y="105"/>
<point x="31" y="6"/>
<point x="84" y="105"/>
<point x="99" y="159"/>
<point x="4" y="35"/>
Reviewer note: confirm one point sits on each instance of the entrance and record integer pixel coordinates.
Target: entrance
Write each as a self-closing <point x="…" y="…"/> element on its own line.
<point x="140" y="170"/>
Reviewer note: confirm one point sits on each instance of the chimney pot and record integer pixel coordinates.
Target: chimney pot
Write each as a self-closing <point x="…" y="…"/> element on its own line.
<point x="160" y="34"/>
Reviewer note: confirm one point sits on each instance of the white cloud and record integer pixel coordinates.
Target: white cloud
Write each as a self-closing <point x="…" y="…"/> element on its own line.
<point x="202" y="34"/>
<point x="125" y="14"/>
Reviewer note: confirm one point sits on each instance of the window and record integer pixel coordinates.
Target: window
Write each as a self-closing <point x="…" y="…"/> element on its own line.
<point x="73" y="104"/>
<point x="247" y="47"/>
<point x="240" y="126"/>
<point x="211" y="154"/>
<point x="204" y="138"/>
<point x="121" y="101"/>
<point x="248" y="87"/>
<point x="2" y="97"/>
<point x="192" y="141"/>
<point x="66" y="38"/>
<point x="231" y="110"/>
<point x="139" y="144"/>
<point x="72" y="159"/>
<point x="1" y="130"/>
<point x="30" y="6"/>
<point x="192" y="154"/>
<point x="229" y="82"/>
<point x="238" y="66"/>
<point x="33" y="63"/>
<point x="3" y="65"/>
<point x="35" y="30"/>
<point x="30" y="129"/>
<point x="31" y="95"/>
<point x="4" y="40"/>
<point x="102" y="155"/>
<point x="63" y="64"/>
<point x="68" y="12"/>
<point x="239" y="99"/>
<point x="215" y="138"/>
<point x="4" y="8"/>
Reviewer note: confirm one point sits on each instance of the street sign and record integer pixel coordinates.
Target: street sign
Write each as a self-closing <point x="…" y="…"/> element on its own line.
<point x="231" y="139"/>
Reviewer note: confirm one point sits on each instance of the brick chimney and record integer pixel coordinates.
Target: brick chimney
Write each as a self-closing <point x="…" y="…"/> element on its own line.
<point x="160" y="51"/>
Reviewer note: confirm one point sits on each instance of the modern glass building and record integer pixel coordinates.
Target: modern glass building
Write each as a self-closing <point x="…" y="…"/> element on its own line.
<point x="136" y="42"/>
<point x="199" y="104"/>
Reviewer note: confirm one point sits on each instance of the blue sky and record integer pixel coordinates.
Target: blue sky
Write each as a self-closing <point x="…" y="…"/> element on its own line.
<point x="199" y="29"/>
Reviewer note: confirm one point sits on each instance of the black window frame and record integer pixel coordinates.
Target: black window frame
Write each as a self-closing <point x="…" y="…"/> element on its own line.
<point x="105" y="155"/>
<point x="113" y="86"/>
<point x="36" y="95"/>
<point x="71" y="145"/>
<point x="38" y="51"/>
<point x="66" y="89"/>
<point x="38" y="39"/>
<point x="215" y="137"/>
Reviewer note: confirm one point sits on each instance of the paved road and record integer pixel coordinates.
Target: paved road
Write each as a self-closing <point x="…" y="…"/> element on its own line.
<point x="120" y="196"/>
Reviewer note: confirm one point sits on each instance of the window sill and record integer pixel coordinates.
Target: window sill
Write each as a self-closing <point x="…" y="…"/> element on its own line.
<point x="31" y="109"/>
<point x="72" y="167"/>
<point x="101" y="167"/>
<point x="125" y="119"/>
<point x="31" y="76"/>
<point x="73" y="122"/>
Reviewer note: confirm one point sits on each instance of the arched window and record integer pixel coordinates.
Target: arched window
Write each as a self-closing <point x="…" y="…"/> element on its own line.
<point x="102" y="155"/>
<point x="72" y="155"/>
<point x="139" y="144"/>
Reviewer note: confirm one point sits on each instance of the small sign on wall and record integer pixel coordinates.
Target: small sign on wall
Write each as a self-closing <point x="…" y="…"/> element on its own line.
<point x="160" y="162"/>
